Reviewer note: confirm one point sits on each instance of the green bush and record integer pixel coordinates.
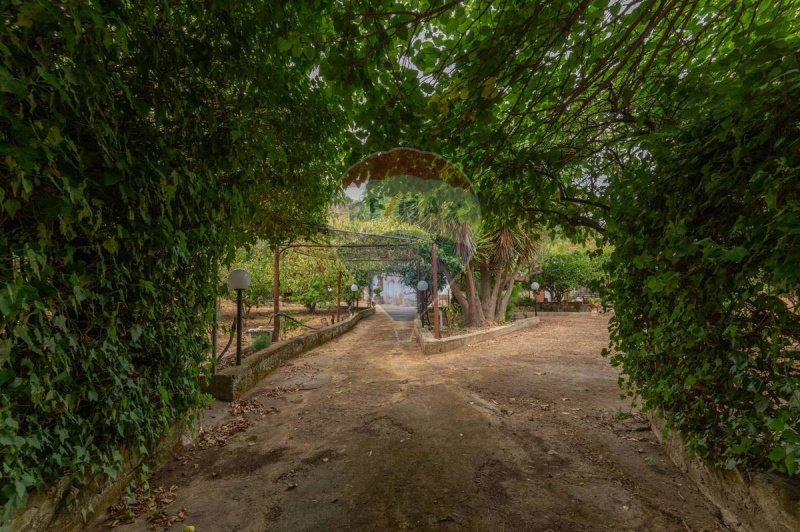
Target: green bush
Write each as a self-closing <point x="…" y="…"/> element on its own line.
<point x="525" y="301"/>
<point x="262" y="342"/>
<point x="135" y="154"/>
<point x="706" y="275"/>
<point x="566" y="271"/>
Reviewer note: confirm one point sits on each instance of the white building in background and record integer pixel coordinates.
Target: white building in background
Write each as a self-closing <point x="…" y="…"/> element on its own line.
<point x="395" y="292"/>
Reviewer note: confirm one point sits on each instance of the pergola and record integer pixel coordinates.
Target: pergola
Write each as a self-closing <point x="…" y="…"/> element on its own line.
<point x="358" y="247"/>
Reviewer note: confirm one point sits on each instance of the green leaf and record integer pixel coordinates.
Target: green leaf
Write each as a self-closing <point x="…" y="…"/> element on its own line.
<point x="735" y="254"/>
<point x="777" y="454"/>
<point x="111" y="245"/>
<point x="12" y="206"/>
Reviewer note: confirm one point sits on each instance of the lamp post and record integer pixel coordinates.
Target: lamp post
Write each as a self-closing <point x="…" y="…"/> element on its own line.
<point x="238" y="280"/>
<point x="422" y="287"/>
<point x="535" y="290"/>
<point x="354" y="289"/>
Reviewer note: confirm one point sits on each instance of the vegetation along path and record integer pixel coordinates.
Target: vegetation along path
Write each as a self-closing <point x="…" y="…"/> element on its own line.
<point x="365" y="433"/>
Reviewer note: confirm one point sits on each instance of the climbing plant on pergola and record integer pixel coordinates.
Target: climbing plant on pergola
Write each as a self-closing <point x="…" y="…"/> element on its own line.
<point x="363" y="253"/>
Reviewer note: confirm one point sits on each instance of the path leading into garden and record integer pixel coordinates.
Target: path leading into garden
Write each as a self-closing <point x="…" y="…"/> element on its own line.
<point x="365" y="433"/>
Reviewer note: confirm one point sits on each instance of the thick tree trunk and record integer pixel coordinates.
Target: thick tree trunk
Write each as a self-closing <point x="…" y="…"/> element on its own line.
<point x="495" y="295"/>
<point x="501" y="280"/>
<point x="457" y="293"/>
<point x="487" y="300"/>
<point x="476" y="317"/>
<point x="486" y="287"/>
<point x="501" y="311"/>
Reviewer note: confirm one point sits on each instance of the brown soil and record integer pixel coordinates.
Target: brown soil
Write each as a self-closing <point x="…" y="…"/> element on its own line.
<point x="366" y="433"/>
<point x="261" y="316"/>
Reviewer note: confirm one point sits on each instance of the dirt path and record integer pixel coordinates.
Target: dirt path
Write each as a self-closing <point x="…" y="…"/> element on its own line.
<point x="366" y="433"/>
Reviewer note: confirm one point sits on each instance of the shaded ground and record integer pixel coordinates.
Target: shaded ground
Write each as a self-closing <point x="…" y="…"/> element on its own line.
<point x="526" y="432"/>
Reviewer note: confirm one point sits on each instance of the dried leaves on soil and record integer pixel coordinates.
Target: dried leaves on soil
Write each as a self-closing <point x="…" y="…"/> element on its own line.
<point x="220" y="435"/>
<point x="148" y="501"/>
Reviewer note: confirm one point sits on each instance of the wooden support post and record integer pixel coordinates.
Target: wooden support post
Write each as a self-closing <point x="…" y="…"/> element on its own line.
<point x="276" y="296"/>
<point x="338" y="297"/>
<point x="435" y="278"/>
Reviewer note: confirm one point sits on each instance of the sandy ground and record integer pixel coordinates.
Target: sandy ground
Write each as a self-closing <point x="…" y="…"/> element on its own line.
<point x="366" y="433"/>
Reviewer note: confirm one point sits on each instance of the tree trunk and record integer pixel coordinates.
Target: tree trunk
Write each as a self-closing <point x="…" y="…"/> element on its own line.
<point x="476" y="316"/>
<point x="495" y="295"/>
<point x="501" y="311"/>
<point x="457" y="293"/>
<point x="486" y="287"/>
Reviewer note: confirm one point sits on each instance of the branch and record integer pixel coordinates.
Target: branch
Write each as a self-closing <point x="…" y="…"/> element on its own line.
<point x="572" y="220"/>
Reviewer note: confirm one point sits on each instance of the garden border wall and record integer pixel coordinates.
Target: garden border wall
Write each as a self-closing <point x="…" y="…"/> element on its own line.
<point x="431" y="345"/>
<point x="58" y="507"/>
<point x="233" y="382"/>
<point x="748" y="501"/>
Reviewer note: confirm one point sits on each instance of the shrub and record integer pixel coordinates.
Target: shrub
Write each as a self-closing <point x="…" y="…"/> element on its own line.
<point x="525" y="301"/>
<point x="566" y="271"/>
<point x="705" y="270"/>
<point x="262" y="341"/>
<point x="136" y="153"/>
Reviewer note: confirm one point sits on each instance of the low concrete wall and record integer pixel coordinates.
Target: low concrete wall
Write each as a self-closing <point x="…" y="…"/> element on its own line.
<point x="231" y="383"/>
<point x="60" y="507"/>
<point x="748" y="501"/>
<point x="431" y="345"/>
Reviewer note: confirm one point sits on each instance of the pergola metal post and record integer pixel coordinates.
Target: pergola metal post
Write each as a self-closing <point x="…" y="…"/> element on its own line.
<point x="419" y="309"/>
<point x="338" y="296"/>
<point x="435" y="278"/>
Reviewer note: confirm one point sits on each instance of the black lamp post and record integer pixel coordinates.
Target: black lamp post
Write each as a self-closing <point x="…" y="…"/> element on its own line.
<point x="535" y="290"/>
<point x="238" y="280"/>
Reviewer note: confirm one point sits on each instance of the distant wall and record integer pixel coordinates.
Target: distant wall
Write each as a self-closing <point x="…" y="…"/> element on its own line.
<point x="395" y="292"/>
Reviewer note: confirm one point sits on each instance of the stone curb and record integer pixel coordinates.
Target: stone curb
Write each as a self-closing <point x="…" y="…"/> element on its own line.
<point x="748" y="501"/>
<point x="431" y="345"/>
<point x="58" y="507"/>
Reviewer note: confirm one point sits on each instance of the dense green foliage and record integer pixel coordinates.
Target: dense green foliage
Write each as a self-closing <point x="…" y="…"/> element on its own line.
<point x="305" y="274"/>
<point x="608" y="118"/>
<point x="140" y="145"/>
<point x="566" y="271"/>
<point x="707" y="263"/>
<point x="262" y="342"/>
<point x="137" y="146"/>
